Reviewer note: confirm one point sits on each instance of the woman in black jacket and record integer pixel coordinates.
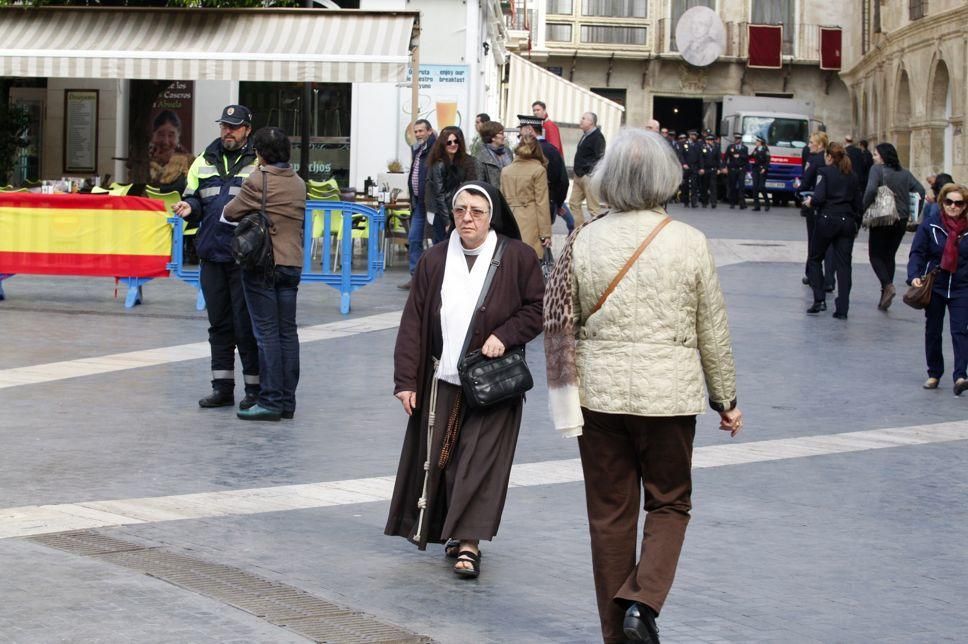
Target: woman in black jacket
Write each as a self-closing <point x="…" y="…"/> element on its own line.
<point x="837" y="203"/>
<point x="812" y="162"/>
<point x="449" y="166"/>
<point x="885" y="240"/>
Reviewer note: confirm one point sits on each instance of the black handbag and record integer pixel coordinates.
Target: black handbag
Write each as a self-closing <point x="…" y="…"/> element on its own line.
<point x="252" y="242"/>
<point x="488" y="381"/>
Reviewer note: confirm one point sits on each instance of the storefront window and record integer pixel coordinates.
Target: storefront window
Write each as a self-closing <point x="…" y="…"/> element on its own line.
<point x="280" y="105"/>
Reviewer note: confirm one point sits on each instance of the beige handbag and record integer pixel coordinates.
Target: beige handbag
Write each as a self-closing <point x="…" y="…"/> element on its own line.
<point x="883" y="212"/>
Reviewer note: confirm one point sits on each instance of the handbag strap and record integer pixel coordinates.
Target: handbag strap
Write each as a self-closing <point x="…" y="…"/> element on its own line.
<point x="265" y="189"/>
<point x="495" y="262"/>
<point x="625" y="269"/>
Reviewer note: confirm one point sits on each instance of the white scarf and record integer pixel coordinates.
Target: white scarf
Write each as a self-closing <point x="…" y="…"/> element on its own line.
<point x="458" y="298"/>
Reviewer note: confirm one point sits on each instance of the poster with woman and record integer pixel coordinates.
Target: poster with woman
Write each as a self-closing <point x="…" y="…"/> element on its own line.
<point x="170" y="137"/>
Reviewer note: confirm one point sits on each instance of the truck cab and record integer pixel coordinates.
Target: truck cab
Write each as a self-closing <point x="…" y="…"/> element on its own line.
<point x="785" y="124"/>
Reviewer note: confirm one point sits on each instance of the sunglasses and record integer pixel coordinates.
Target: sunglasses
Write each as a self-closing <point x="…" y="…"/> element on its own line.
<point x="453" y="142"/>
<point x="957" y="204"/>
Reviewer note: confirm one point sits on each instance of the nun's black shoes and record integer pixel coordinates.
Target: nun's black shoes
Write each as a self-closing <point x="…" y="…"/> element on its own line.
<point x="465" y="571"/>
<point x="639" y="624"/>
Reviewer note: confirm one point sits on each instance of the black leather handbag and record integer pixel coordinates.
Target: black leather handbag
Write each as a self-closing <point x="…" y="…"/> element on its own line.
<point x="488" y="381"/>
<point x="252" y="241"/>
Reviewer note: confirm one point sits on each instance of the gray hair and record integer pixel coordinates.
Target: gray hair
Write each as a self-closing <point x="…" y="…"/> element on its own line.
<point x="594" y="117"/>
<point x="639" y="171"/>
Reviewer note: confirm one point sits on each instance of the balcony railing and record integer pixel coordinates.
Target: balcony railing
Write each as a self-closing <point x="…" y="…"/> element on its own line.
<point x="803" y="45"/>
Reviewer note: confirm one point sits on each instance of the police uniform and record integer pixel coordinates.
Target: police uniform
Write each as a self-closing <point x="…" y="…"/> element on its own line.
<point x="712" y="163"/>
<point x="760" y="162"/>
<point x="214" y="178"/>
<point x="737" y="158"/>
<point x="690" y="156"/>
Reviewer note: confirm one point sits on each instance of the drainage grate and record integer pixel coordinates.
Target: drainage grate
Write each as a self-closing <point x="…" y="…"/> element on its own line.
<point x="279" y="604"/>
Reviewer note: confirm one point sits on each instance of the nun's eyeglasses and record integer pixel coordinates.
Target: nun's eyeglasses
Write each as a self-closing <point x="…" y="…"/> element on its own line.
<point x="476" y="213"/>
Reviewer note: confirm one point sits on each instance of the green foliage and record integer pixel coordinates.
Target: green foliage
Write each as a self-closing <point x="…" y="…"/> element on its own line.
<point x="13" y="123"/>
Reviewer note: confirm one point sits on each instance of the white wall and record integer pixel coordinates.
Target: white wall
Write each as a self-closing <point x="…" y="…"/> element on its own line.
<point x="211" y="97"/>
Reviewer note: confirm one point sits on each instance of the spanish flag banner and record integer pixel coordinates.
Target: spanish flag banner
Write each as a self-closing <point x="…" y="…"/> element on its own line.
<point x="79" y="234"/>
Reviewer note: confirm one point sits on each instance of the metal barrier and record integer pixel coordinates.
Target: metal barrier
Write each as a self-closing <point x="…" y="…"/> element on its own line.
<point x="355" y="220"/>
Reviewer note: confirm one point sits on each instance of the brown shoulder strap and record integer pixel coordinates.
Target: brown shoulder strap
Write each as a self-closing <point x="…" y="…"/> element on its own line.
<point x="625" y="269"/>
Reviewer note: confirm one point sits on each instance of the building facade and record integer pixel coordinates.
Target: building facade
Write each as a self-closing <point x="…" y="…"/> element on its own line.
<point x="909" y="85"/>
<point x="626" y="50"/>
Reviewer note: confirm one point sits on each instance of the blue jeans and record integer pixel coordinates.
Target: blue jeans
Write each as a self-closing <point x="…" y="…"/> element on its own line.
<point x="418" y="218"/>
<point x="565" y="213"/>
<point x="272" y="307"/>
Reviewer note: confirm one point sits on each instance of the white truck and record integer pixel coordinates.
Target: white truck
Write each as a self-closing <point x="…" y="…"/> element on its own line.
<point x="785" y="123"/>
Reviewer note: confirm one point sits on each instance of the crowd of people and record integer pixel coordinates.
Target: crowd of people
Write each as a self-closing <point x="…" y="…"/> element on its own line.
<point x="633" y="298"/>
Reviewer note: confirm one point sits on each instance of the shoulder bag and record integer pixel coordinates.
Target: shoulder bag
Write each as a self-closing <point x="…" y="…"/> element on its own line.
<point x="252" y="243"/>
<point x="918" y="297"/>
<point x="489" y="381"/>
<point x="883" y="212"/>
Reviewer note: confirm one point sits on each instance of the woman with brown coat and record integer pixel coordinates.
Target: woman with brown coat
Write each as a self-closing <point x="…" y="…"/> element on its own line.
<point x="460" y="498"/>
<point x="524" y="184"/>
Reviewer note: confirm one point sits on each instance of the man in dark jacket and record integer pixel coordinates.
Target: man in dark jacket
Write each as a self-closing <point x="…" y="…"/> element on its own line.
<point x="417" y="180"/>
<point x="214" y="178"/>
<point x="690" y="156"/>
<point x="712" y="163"/>
<point x="857" y="161"/>
<point x="557" y="174"/>
<point x="737" y="159"/>
<point x="760" y="165"/>
<point x="591" y="148"/>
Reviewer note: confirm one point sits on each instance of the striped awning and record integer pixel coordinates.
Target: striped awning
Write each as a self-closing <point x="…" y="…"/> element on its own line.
<point x="283" y="45"/>
<point x="566" y="101"/>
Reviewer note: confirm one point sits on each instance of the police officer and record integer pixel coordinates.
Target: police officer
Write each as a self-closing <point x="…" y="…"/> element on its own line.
<point x="737" y="158"/>
<point x="690" y="156"/>
<point x="214" y="178"/>
<point x="712" y="164"/>
<point x="760" y="161"/>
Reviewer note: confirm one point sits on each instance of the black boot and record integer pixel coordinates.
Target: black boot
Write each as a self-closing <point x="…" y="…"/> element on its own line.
<point x="817" y="307"/>
<point x="249" y="401"/>
<point x="218" y="398"/>
<point x="639" y="624"/>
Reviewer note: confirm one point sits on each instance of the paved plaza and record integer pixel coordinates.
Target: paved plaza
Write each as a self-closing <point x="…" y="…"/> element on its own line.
<point x="127" y="513"/>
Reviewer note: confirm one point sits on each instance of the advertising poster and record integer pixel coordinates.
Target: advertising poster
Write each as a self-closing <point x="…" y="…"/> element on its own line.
<point x="170" y="135"/>
<point x="443" y="100"/>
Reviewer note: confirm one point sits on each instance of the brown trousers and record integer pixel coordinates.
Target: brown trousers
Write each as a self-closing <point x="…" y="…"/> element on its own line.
<point x="620" y="454"/>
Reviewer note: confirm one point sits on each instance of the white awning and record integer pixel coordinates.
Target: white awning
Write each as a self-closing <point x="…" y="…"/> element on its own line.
<point x="283" y="45"/>
<point x="566" y="101"/>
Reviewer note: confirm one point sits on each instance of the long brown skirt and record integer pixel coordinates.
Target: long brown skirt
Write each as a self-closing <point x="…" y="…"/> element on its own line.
<point x="465" y="500"/>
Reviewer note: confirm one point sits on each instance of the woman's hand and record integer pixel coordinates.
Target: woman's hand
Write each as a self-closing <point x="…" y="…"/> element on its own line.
<point x="916" y="282"/>
<point x="808" y="202"/>
<point x="731" y="421"/>
<point x="546" y="242"/>
<point x="493" y="348"/>
<point x="409" y="401"/>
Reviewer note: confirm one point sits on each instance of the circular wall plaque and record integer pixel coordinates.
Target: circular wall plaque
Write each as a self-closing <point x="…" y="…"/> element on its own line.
<point x="700" y="36"/>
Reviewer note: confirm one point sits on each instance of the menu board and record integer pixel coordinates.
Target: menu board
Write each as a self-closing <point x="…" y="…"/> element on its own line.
<point x="80" y="130"/>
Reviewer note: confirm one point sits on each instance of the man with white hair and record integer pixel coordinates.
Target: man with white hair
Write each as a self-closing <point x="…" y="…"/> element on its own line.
<point x="591" y="148"/>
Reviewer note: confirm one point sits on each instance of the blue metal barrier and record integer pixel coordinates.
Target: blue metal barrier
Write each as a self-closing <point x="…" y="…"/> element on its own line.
<point x="366" y="222"/>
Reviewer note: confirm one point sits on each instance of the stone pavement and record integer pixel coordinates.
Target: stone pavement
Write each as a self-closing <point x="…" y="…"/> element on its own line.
<point x="845" y="537"/>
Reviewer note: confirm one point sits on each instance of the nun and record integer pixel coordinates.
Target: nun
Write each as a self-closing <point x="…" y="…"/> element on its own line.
<point x="453" y="475"/>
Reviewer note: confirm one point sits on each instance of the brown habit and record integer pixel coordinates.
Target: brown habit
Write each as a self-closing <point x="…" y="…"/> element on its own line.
<point x="466" y="500"/>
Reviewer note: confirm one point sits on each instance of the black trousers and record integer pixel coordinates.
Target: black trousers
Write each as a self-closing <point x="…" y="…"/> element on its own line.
<point x="759" y="186"/>
<point x="689" y="189"/>
<point x="709" y="189"/>
<point x="736" y="187"/>
<point x="229" y="326"/>
<point x="828" y="261"/>
<point x="834" y="233"/>
<point x="882" y="247"/>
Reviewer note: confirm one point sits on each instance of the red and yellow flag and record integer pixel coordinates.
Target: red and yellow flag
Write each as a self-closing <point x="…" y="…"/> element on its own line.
<point x="79" y="234"/>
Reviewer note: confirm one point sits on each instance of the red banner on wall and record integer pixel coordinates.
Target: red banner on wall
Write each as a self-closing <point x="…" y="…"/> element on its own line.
<point x="830" y="47"/>
<point x="765" y="46"/>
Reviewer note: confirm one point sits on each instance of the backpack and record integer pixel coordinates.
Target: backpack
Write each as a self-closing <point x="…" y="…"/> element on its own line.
<point x="252" y="243"/>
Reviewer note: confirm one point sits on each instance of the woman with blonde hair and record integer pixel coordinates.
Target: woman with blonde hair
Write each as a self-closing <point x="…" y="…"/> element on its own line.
<point x="524" y="184"/>
<point x="635" y="326"/>
<point x="812" y="162"/>
<point x="941" y="244"/>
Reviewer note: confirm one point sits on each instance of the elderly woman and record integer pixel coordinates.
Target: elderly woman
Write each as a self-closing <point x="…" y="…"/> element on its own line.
<point x="524" y="184"/>
<point x="941" y="243"/>
<point x="493" y="155"/>
<point x="467" y="451"/>
<point x="634" y="322"/>
<point x="271" y="298"/>
<point x="885" y="240"/>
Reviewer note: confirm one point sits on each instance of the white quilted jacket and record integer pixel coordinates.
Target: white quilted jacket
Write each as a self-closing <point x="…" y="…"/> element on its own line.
<point x="662" y="331"/>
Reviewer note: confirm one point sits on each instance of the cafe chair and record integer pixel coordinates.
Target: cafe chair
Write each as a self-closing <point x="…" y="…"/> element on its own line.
<point x="119" y="189"/>
<point x="98" y="190"/>
<point x="398" y="231"/>
<point x="323" y="191"/>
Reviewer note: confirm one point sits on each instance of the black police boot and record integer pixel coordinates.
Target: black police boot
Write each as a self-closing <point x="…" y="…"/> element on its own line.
<point x="218" y="398"/>
<point x="639" y="624"/>
<point x="817" y="307"/>
<point x="249" y="401"/>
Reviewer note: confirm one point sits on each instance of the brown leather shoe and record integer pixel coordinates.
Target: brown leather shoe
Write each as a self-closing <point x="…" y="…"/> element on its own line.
<point x="887" y="294"/>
